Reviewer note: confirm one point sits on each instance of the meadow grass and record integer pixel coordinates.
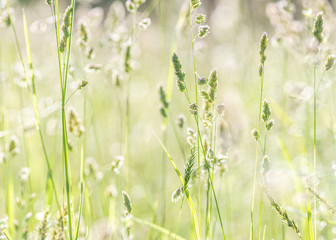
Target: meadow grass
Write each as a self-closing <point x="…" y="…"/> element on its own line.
<point x="133" y="121"/>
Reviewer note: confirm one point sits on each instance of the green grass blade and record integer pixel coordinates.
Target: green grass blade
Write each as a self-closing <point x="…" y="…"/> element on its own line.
<point x="158" y="228"/>
<point x="7" y="235"/>
<point x="190" y="201"/>
<point x="35" y="107"/>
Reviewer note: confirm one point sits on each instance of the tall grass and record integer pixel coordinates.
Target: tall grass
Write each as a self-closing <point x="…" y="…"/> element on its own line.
<point x="174" y="161"/>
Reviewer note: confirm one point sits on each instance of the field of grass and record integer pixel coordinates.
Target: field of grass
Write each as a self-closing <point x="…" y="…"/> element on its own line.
<point x="172" y="119"/>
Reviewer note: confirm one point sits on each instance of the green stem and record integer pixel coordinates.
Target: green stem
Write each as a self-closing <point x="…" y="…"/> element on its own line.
<point x="208" y="171"/>
<point x="315" y="201"/>
<point x="67" y="167"/>
<point x="83" y="156"/>
<point x="32" y="93"/>
<point x="256" y="158"/>
<point x="198" y="137"/>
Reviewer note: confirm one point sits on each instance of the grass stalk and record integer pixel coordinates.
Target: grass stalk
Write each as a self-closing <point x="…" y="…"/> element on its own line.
<point x="315" y="157"/>
<point x="196" y="97"/>
<point x="32" y="93"/>
<point x="67" y="169"/>
<point x="83" y="157"/>
<point x="190" y="201"/>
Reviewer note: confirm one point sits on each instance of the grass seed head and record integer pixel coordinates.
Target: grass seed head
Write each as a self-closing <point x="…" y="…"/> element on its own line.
<point x="83" y="36"/>
<point x="177" y="194"/>
<point x="329" y="62"/>
<point x="127" y="202"/>
<point x="200" y="18"/>
<point x="145" y="23"/>
<point x="261" y="70"/>
<point x="188" y="169"/>
<point x="131" y="6"/>
<point x="203" y="31"/>
<point x="67" y="18"/>
<point x="266" y="111"/>
<point x="127" y="58"/>
<point x="193" y="108"/>
<point x="263" y="46"/>
<point x="286" y="219"/>
<point x="44" y="225"/>
<point x="202" y="81"/>
<point x="178" y="72"/>
<point x="269" y="124"/>
<point x="195" y="3"/>
<point x="213" y="79"/>
<point x="318" y="27"/>
<point x="255" y="134"/>
<point x="180" y="120"/>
